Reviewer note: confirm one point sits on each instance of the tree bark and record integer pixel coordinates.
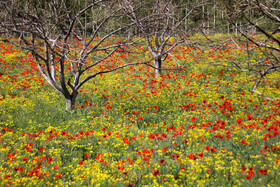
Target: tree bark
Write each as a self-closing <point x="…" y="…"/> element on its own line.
<point x="214" y="20"/>
<point x="157" y="63"/>
<point x="70" y="102"/>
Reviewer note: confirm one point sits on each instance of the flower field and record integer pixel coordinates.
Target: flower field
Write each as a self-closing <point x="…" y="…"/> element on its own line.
<point x="198" y="127"/>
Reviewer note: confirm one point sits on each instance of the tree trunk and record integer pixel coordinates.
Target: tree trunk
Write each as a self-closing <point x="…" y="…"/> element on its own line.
<point x="70" y="102"/>
<point x="214" y="20"/>
<point x="203" y="19"/>
<point x="157" y="63"/>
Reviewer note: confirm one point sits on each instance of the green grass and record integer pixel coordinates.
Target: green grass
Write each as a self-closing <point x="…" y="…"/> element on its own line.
<point x="116" y="115"/>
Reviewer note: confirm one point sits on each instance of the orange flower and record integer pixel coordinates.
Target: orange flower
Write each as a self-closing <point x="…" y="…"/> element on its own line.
<point x="58" y="175"/>
<point x="213" y="150"/>
<point x="263" y="172"/>
<point x="193" y="119"/>
<point x="42" y="149"/>
<point x="87" y="155"/>
<point x="155" y="172"/>
<point x="151" y="136"/>
<point x="223" y="150"/>
<point x="201" y="155"/>
<point x="50" y="160"/>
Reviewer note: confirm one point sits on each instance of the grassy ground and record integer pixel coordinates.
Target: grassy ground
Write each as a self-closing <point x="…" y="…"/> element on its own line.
<point x="199" y="127"/>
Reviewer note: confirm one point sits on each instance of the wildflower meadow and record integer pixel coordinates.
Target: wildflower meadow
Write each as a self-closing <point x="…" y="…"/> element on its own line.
<point x="200" y="126"/>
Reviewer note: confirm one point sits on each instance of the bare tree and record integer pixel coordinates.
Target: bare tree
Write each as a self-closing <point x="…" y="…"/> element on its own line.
<point x="163" y="30"/>
<point x="261" y="16"/>
<point x="63" y="35"/>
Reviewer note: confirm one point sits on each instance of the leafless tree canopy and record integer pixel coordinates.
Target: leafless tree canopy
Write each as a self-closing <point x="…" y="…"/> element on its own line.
<point x="261" y="17"/>
<point x="63" y="33"/>
<point x="163" y="28"/>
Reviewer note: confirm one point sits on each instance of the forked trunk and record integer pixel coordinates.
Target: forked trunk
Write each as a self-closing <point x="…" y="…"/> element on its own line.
<point x="157" y="63"/>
